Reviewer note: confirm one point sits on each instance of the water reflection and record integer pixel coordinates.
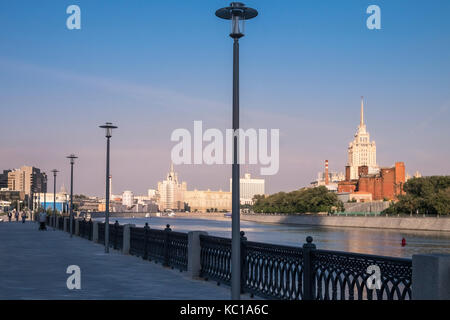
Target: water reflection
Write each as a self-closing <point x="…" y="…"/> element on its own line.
<point x="370" y="241"/>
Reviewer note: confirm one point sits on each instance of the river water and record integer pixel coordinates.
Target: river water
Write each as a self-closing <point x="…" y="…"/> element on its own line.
<point x="362" y="240"/>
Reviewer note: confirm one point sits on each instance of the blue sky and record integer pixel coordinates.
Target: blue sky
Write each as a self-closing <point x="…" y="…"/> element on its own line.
<point x="154" y="66"/>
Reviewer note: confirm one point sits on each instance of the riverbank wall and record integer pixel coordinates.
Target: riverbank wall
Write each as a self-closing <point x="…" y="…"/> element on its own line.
<point x="401" y="223"/>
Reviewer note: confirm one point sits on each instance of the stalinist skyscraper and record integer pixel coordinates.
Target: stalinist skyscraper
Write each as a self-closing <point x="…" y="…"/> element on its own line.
<point x="362" y="151"/>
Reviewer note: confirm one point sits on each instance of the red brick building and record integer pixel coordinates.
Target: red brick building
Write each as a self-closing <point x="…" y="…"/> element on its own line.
<point x="386" y="184"/>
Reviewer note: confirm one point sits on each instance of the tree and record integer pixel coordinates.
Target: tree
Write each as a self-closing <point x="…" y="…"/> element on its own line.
<point x="425" y="195"/>
<point x="300" y="201"/>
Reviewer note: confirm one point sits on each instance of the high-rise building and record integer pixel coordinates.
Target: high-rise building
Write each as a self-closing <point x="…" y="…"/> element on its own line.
<point x="28" y="180"/>
<point x="249" y="188"/>
<point x="362" y="151"/>
<point x="128" y="198"/>
<point x="4" y="179"/>
<point x="171" y="192"/>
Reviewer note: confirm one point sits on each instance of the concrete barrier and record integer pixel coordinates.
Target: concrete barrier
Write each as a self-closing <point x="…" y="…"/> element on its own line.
<point x="194" y="249"/>
<point x="405" y="223"/>
<point x="431" y="277"/>
<point x="126" y="238"/>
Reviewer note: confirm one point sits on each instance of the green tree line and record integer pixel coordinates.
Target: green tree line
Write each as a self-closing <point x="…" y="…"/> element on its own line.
<point x="426" y="195"/>
<point x="307" y="200"/>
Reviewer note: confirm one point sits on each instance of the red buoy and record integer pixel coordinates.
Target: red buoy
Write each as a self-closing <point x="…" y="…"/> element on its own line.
<point x="403" y="242"/>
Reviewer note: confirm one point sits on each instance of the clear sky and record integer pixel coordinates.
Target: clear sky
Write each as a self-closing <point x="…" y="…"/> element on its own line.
<point x="154" y="66"/>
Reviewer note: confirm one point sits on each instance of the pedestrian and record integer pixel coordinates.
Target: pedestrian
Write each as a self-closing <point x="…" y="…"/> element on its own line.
<point x="42" y="220"/>
<point x="17" y="216"/>
<point x="24" y="216"/>
<point x="9" y="216"/>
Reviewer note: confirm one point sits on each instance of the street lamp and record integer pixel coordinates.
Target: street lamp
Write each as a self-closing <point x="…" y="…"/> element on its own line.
<point x="72" y="158"/>
<point x="45" y="193"/>
<point x="54" y="195"/>
<point x="237" y="12"/>
<point x="108" y="126"/>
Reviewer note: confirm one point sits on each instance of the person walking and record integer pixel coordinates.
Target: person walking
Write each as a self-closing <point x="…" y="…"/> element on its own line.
<point x="9" y="216"/>
<point x="17" y="216"/>
<point x="42" y="220"/>
<point x="24" y="216"/>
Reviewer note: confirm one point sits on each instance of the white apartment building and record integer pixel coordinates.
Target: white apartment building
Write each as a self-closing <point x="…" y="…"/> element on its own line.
<point x="128" y="198"/>
<point x="249" y="188"/>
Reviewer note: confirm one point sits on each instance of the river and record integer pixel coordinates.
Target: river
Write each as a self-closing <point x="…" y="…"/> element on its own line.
<point x="362" y="240"/>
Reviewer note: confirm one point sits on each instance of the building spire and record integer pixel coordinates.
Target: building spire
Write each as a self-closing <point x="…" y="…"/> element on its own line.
<point x="171" y="166"/>
<point x="361" y="122"/>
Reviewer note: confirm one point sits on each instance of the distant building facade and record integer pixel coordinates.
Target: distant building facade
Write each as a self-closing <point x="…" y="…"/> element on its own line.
<point x="27" y="179"/>
<point x="128" y="198"/>
<point x="387" y="184"/>
<point x="4" y="179"/>
<point x="362" y="151"/>
<point x="202" y="201"/>
<point x="328" y="179"/>
<point x="171" y="192"/>
<point x="249" y="187"/>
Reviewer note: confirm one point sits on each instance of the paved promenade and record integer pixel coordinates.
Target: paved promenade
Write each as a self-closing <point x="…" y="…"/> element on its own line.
<point x="33" y="266"/>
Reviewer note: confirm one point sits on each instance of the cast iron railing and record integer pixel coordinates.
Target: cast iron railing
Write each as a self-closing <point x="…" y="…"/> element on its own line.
<point x="85" y="229"/>
<point x="164" y="246"/>
<point x="101" y="233"/>
<point x="343" y="276"/>
<point x="116" y="236"/>
<point x="292" y="273"/>
<point x="271" y="271"/>
<point x="215" y="258"/>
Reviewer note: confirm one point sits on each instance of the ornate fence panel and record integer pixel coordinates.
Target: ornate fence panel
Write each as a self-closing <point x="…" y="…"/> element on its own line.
<point x="116" y="236"/>
<point x="137" y="241"/>
<point x="178" y="246"/>
<point x="273" y="271"/>
<point x="101" y="233"/>
<point x="61" y="223"/>
<point x="284" y="272"/>
<point x="82" y="228"/>
<point x="215" y="257"/>
<point x="343" y="276"/>
<point x="85" y="229"/>
<point x="155" y="245"/>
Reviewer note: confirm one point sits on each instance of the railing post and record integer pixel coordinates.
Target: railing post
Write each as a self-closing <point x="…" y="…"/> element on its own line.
<point x="146" y="232"/>
<point x="194" y="253"/>
<point x="166" y="245"/>
<point x="244" y="269"/>
<point x="90" y="230"/>
<point x="77" y="227"/>
<point x="95" y="231"/>
<point x="115" y="230"/>
<point x="126" y="238"/>
<point x="66" y="224"/>
<point x="308" y="274"/>
<point x="431" y="276"/>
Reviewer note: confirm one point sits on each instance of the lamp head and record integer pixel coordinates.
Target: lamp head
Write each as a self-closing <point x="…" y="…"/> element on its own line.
<point x="108" y="126"/>
<point x="237" y="12"/>
<point x="72" y="158"/>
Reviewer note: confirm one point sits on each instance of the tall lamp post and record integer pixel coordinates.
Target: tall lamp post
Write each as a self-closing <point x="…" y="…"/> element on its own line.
<point x="72" y="158"/>
<point x="108" y="126"/>
<point x="45" y="193"/>
<point x="54" y="195"/>
<point x="237" y="12"/>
